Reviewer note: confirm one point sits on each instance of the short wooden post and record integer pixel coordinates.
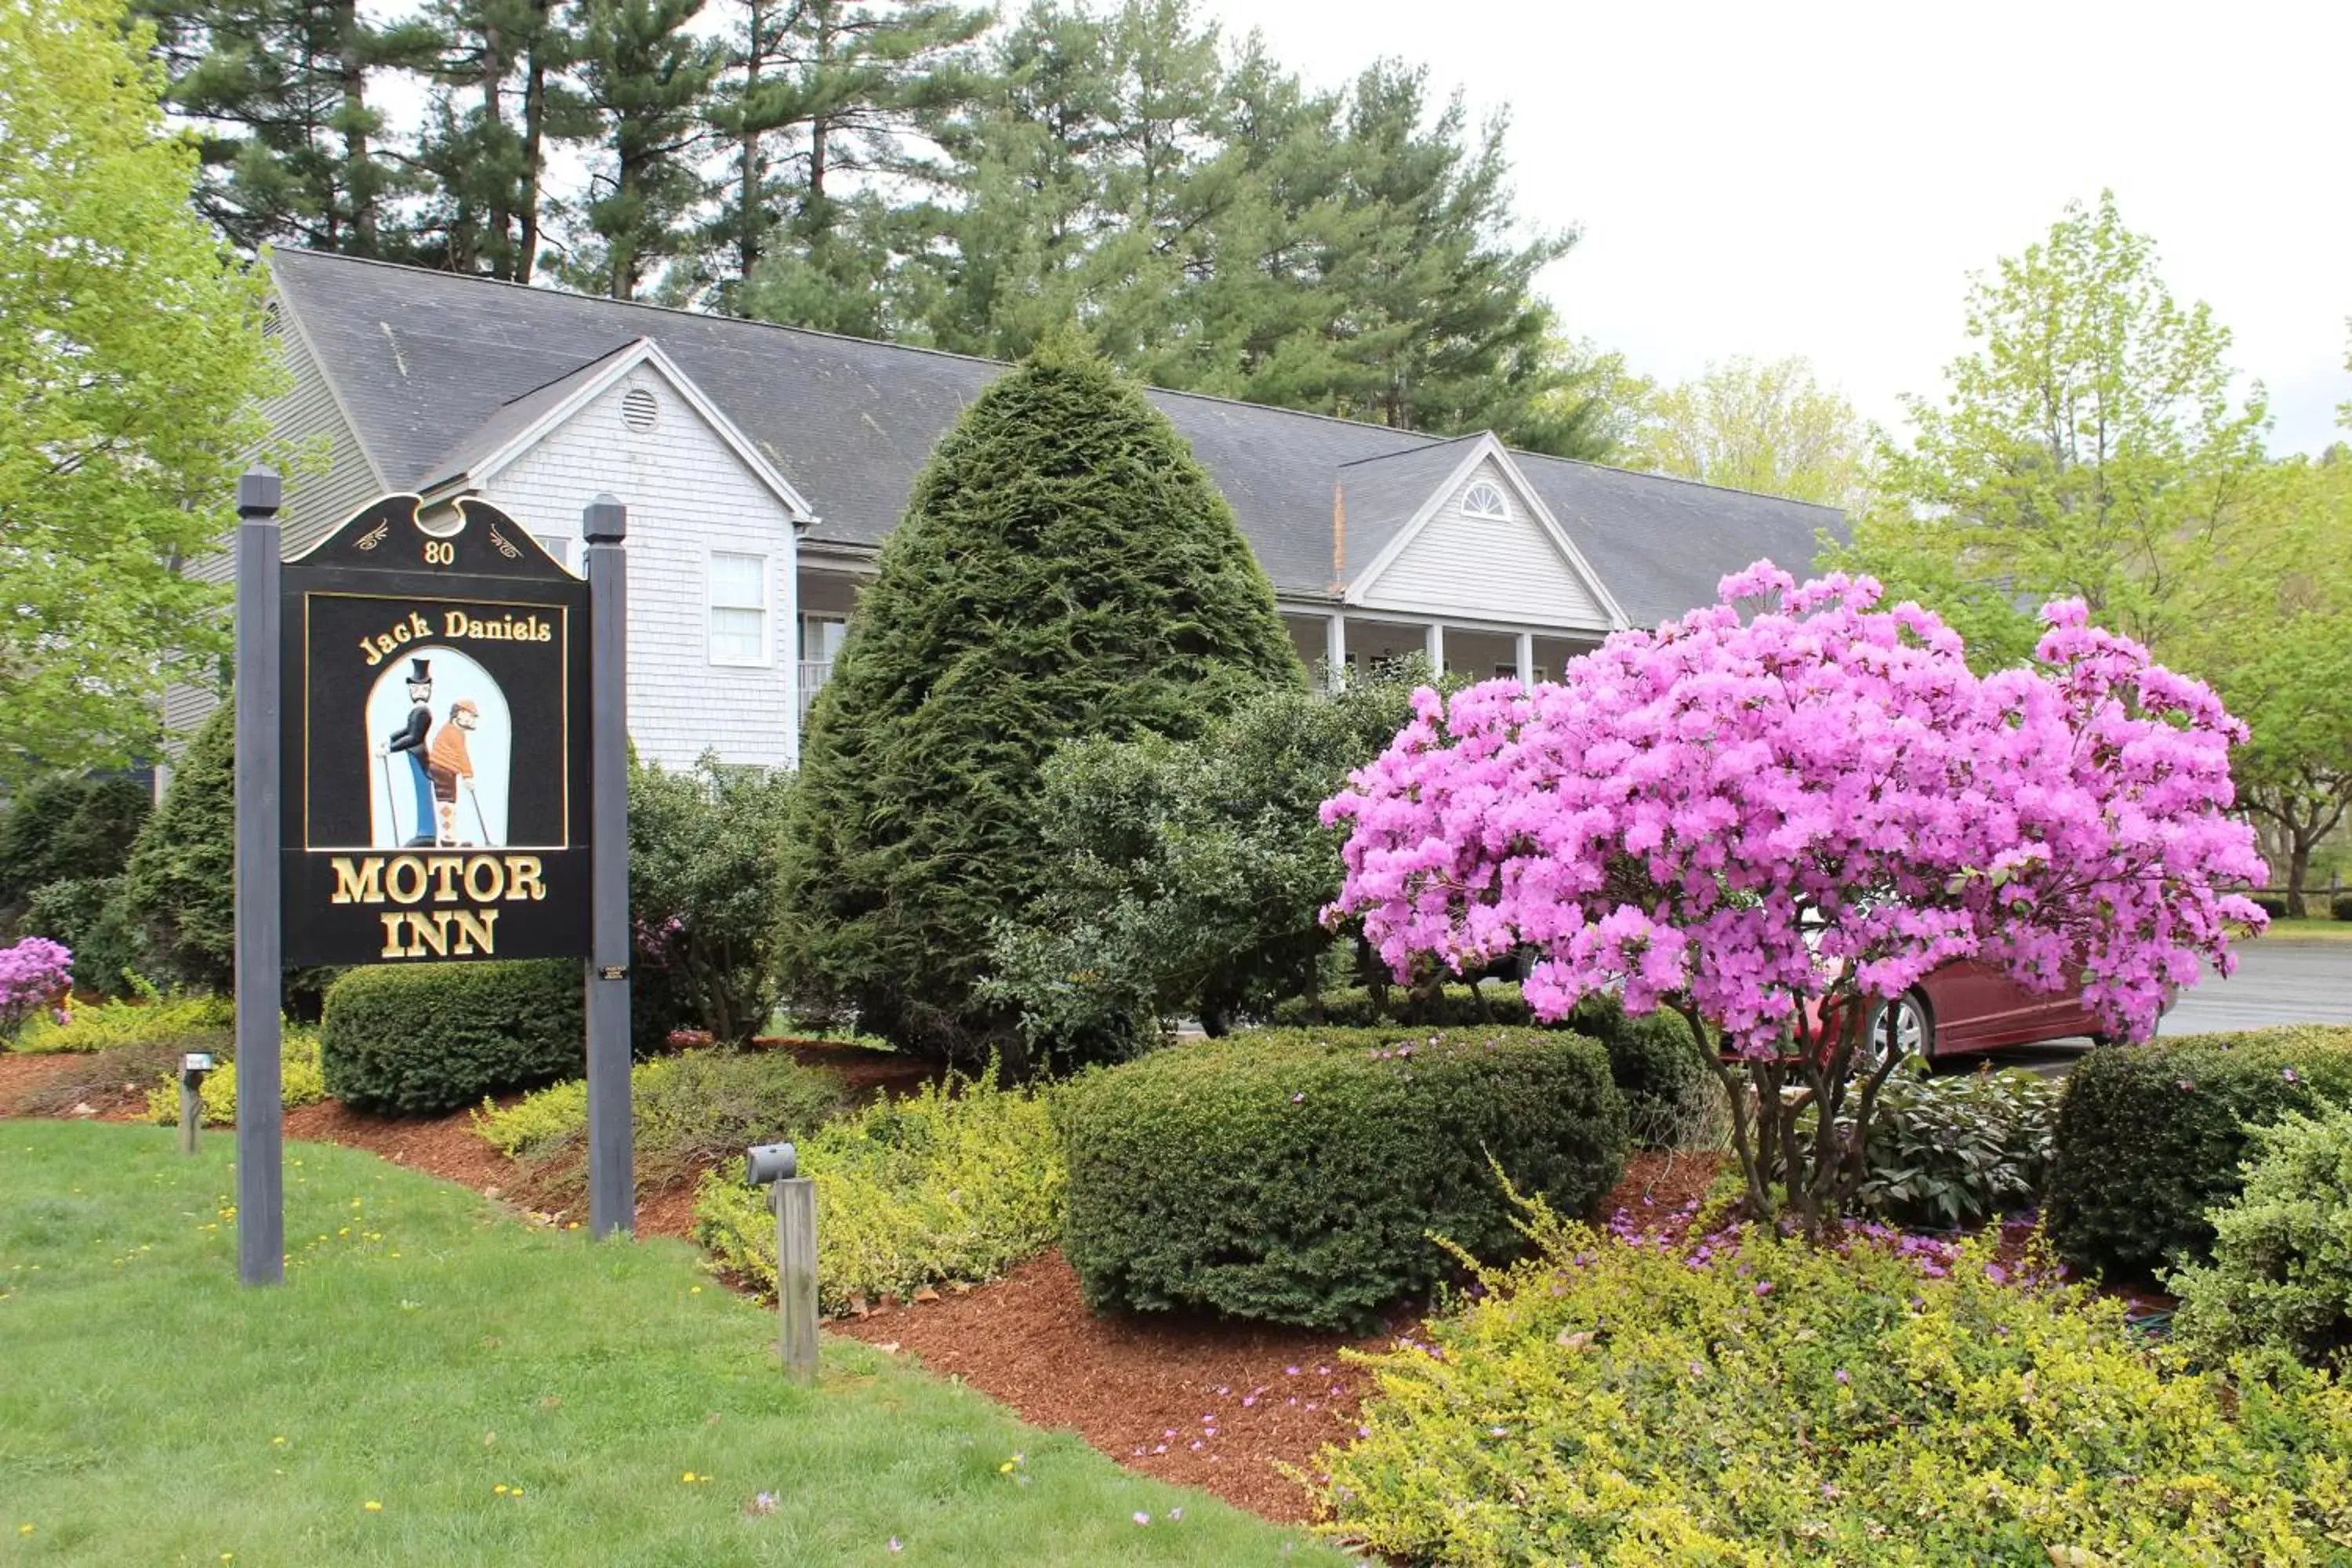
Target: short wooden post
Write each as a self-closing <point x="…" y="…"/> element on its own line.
<point x="795" y="1201"/>
<point x="192" y="1112"/>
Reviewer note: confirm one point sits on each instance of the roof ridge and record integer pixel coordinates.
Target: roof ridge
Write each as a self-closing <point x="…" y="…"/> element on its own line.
<point x="885" y="344"/>
<point x="1678" y="480"/>
<point x="1434" y="442"/>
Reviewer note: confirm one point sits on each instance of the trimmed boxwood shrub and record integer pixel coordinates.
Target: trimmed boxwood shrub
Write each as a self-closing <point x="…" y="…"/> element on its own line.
<point x="421" y="1039"/>
<point x="1299" y="1176"/>
<point x="2150" y="1136"/>
<point x="1651" y="1057"/>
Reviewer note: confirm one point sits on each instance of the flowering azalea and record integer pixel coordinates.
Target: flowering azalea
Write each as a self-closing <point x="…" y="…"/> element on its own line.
<point x="1770" y="822"/>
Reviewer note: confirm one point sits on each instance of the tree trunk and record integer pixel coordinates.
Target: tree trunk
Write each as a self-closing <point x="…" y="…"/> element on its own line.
<point x="534" y="133"/>
<point x="357" y="176"/>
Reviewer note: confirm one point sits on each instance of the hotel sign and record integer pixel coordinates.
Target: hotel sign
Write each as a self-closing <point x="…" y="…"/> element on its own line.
<point x="436" y="798"/>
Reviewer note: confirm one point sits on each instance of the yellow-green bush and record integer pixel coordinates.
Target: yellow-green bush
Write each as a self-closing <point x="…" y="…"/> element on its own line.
<point x="687" y="1110"/>
<point x="152" y="1021"/>
<point x="948" y="1184"/>
<point x="300" y="1082"/>
<point x="1771" y="1402"/>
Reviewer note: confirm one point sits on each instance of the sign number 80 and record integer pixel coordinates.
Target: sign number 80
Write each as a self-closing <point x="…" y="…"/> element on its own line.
<point x="440" y="551"/>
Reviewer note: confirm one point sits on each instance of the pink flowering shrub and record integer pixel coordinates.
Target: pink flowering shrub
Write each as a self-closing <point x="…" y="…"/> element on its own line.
<point x="1770" y="822"/>
<point x="35" y="975"/>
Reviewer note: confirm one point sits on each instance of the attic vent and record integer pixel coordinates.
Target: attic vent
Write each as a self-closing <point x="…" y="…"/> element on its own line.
<point x="1485" y="499"/>
<point x="639" y="412"/>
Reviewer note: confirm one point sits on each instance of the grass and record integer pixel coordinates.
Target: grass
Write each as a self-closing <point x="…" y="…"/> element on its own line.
<point x="426" y="1350"/>
<point x="2320" y="928"/>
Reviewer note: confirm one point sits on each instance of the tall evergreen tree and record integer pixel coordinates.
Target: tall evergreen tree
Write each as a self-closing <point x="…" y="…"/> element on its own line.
<point x="642" y="74"/>
<point x="281" y="90"/>
<point x="502" y="100"/>
<point x="1065" y="568"/>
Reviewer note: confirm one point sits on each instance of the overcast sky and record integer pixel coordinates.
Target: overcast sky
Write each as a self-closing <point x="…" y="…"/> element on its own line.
<point x="1816" y="178"/>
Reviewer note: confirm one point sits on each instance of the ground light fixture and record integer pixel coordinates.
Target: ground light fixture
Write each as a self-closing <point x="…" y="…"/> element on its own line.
<point x="193" y="1069"/>
<point x="793" y="1197"/>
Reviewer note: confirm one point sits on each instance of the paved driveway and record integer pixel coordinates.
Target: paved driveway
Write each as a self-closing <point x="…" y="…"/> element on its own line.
<point x="2278" y="982"/>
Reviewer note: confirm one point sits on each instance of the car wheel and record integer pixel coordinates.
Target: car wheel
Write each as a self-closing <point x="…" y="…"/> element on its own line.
<point x="1914" y="1033"/>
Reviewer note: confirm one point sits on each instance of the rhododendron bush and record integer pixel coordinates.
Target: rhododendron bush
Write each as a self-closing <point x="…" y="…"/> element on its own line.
<point x="1770" y="822"/>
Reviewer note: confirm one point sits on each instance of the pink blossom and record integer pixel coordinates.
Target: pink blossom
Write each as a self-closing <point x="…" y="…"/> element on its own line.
<point x="1818" y="801"/>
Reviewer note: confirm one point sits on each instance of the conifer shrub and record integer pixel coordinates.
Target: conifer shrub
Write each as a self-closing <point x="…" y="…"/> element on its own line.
<point x="1300" y="1177"/>
<point x="68" y="826"/>
<point x="92" y="917"/>
<point x="1065" y="568"/>
<point x="180" y="882"/>
<point x="417" y="1039"/>
<point x="2151" y="1137"/>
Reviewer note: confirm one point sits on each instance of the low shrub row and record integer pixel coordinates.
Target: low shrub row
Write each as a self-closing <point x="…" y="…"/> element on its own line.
<point x="1758" y="1400"/>
<point x="1670" y="1095"/>
<point x="2280" y="1287"/>
<point x="1302" y="1177"/>
<point x="189" y="1022"/>
<point x="299" y="1079"/>
<point x="689" y="1110"/>
<point x="951" y="1185"/>
<point x="2150" y="1137"/>
<point x="425" y="1039"/>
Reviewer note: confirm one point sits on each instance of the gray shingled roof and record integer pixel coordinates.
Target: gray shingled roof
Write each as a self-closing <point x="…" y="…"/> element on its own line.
<point x="423" y="361"/>
<point x="1382" y="494"/>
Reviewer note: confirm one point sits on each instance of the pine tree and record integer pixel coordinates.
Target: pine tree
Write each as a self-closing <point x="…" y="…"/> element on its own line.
<point x="1065" y="568"/>
<point x="281" y="90"/>
<point x="502" y="101"/>
<point x="642" y="75"/>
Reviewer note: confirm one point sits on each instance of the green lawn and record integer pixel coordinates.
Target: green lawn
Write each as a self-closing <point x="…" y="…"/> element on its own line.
<point x="2317" y="928"/>
<point x="426" y="1350"/>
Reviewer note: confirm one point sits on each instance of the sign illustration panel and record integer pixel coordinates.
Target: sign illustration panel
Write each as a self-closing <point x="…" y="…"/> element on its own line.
<point x="435" y="730"/>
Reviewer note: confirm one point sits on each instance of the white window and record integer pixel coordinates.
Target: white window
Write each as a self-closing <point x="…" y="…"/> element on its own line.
<point x="739" y="608"/>
<point x="1485" y="499"/>
<point x="562" y="547"/>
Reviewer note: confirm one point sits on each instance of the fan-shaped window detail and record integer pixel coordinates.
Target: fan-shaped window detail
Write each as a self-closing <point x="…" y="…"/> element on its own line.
<point x="1485" y="499"/>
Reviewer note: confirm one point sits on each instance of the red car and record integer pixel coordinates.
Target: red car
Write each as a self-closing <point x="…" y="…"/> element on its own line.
<point x="1968" y="1007"/>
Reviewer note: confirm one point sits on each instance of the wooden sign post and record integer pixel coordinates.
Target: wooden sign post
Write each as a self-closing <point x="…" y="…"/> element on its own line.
<point x="444" y="780"/>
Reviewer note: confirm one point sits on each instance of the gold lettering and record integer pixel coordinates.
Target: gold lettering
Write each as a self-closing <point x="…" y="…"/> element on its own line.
<point x="476" y="930"/>
<point x="523" y="879"/>
<point x="411" y="867"/>
<point x="367" y="652"/>
<point x="456" y="621"/>
<point x="433" y="933"/>
<point x="474" y="888"/>
<point x="358" y="882"/>
<point x="445" y="868"/>
<point x="393" y="921"/>
<point x="418" y="624"/>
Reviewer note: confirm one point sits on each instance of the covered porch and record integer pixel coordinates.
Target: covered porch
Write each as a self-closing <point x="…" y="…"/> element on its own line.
<point x="1354" y="642"/>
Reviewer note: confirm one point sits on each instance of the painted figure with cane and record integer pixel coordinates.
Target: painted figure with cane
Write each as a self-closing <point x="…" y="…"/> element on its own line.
<point x="409" y="741"/>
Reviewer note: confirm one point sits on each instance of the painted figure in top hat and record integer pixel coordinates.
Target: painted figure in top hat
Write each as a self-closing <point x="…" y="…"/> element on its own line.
<point x="409" y="740"/>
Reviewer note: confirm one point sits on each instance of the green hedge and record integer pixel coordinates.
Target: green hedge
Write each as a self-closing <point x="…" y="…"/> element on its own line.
<point x="422" y="1038"/>
<point x="1650" y="1056"/>
<point x="1298" y="1177"/>
<point x="2150" y="1136"/>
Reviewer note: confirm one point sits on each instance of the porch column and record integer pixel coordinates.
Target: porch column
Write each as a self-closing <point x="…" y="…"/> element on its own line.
<point x="1527" y="659"/>
<point x="1436" y="635"/>
<point x="1335" y="651"/>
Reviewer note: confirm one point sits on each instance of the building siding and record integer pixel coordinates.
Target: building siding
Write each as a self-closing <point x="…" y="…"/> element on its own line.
<point x="327" y="479"/>
<point x="1494" y="571"/>
<point x="687" y="495"/>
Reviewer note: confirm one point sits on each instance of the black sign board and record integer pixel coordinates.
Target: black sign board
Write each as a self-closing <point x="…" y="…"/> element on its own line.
<point x="435" y="723"/>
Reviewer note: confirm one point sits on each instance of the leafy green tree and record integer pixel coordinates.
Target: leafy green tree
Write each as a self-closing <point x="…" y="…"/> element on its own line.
<point x="703" y="853"/>
<point x="2089" y="445"/>
<point x="1189" y="877"/>
<point x="293" y="150"/>
<point x="1770" y="429"/>
<point x="1066" y="569"/>
<point x="132" y="353"/>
